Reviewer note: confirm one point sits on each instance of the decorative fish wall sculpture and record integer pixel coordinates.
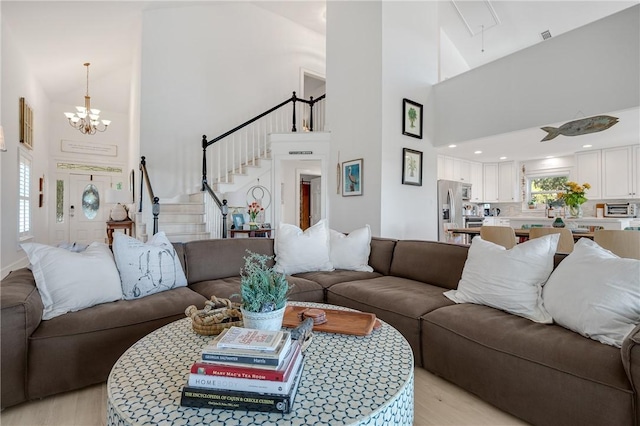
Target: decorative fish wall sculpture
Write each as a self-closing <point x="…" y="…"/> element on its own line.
<point x="580" y="127"/>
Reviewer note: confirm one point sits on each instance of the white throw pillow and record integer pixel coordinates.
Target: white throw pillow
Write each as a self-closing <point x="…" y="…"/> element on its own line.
<point x="298" y="251"/>
<point x="510" y="280"/>
<point x="69" y="281"/>
<point x="595" y="293"/>
<point x="147" y="268"/>
<point x="351" y="252"/>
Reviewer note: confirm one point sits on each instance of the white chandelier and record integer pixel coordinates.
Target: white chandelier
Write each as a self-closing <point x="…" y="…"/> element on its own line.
<point x="86" y="119"/>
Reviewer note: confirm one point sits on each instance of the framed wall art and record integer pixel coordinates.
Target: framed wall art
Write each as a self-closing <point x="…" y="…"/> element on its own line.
<point x="352" y="178"/>
<point x="411" y="119"/>
<point x="26" y="124"/>
<point x="238" y="220"/>
<point x="411" y="167"/>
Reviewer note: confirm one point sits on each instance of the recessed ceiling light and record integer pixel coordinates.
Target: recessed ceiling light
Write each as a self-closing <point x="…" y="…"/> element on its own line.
<point x="587" y="146"/>
<point x="503" y="158"/>
<point x="477" y="152"/>
<point x="452" y="146"/>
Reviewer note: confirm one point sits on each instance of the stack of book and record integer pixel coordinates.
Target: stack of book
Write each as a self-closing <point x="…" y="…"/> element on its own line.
<point x="246" y="369"/>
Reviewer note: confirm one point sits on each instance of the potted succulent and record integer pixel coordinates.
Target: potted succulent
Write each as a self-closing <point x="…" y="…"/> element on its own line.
<point x="264" y="293"/>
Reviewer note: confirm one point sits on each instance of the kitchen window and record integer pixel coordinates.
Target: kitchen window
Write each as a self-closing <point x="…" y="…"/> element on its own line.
<point x="24" y="195"/>
<point x="544" y="188"/>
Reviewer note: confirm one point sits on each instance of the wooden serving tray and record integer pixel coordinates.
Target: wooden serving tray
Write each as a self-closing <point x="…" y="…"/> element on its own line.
<point x="338" y="321"/>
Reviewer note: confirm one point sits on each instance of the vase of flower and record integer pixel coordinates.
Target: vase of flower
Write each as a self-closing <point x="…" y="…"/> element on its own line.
<point x="573" y="197"/>
<point x="254" y="209"/>
<point x="575" y="210"/>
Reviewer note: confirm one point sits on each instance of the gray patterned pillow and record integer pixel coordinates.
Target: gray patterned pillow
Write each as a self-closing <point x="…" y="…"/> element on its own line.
<point x="147" y="268"/>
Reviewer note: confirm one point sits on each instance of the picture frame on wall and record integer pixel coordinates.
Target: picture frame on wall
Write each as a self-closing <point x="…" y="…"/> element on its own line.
<point x="411" y="118"/>
<point x="352" y="177"/>
<point x="411" y="167"/>
<point x="26" y="124"/>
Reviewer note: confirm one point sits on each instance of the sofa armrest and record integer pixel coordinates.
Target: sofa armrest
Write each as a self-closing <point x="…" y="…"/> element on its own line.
<point x="631" y="362"/>
<point x="20" y="314"/>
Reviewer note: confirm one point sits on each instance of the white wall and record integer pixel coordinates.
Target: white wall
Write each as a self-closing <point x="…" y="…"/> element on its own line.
<point x="451" y="61"/>
<point x="593" y="69"/>
<point x="18" y="81"/>
<point x="368" y="88"/>
<point x="206" y="69"/>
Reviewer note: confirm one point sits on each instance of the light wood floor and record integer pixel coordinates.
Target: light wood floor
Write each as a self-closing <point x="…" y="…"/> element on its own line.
<point x="437" y="402"/>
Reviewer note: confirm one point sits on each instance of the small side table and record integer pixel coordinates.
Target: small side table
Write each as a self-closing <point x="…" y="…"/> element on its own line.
<point x="261" y="232"/>
<point x="123" y="224"/>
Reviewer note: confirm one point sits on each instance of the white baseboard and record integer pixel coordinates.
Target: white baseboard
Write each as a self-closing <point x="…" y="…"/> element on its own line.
<point x="20" y="263"/>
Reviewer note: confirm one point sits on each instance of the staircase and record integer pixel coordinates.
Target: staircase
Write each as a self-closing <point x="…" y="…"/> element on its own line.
<point x="239" y="158"/>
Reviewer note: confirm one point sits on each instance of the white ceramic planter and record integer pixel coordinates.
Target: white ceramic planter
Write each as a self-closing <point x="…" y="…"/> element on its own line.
<point x="263" y="320"/>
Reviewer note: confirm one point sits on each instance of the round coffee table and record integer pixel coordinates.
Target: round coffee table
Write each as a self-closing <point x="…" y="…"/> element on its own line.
<point x="351" y="380"/>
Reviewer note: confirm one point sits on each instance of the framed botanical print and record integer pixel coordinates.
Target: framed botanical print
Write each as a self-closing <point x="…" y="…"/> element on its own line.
<point x="26" y="124"/>
<point x="411" y="119"/>
<point x="411" y="167"/>
<point x="352" y="178"/>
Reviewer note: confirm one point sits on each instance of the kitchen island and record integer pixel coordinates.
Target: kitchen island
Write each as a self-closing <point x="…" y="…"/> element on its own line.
<point x="516" y="222"/>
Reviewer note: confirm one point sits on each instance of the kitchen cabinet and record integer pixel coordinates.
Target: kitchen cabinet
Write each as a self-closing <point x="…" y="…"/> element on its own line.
<point x="500" y="183"/>
<point x="440" y="170"/>
<point x="589" y="170"/>
<point x="477" y="191"/>
<point x="620" y="173"/>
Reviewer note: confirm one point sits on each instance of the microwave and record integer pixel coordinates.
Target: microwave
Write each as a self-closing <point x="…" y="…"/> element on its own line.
<point x="466" y="192"/>
<point x="621" y="210"/>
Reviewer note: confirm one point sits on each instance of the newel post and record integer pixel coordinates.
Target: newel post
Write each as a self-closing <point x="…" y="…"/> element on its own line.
<point x="294" y="98"/>
<point x="204" y="161"/>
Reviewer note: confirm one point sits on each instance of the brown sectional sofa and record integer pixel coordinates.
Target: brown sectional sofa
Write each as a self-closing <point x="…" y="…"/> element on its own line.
<point x="543" y="374"/>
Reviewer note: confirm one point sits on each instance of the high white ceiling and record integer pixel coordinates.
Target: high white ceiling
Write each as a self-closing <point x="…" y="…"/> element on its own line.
<point x="57" y="37"/>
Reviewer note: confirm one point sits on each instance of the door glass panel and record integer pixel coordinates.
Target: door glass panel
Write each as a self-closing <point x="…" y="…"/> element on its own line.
<point x="59" y="201"/>
<point x="90" y="201"/>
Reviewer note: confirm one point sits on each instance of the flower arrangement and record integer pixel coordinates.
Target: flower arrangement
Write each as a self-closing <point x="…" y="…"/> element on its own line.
<point x="262" y="289"/>
<point x="254" y="210"/>
<point x="574" y="194"/>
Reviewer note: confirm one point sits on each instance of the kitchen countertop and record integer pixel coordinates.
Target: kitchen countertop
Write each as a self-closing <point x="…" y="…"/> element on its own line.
<point x="582" y="219"/>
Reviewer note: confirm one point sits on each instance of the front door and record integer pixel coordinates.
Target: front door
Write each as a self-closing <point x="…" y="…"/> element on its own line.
<point x="88" y="213"/>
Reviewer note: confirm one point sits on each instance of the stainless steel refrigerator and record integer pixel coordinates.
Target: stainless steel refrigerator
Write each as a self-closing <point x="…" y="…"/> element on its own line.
<point x="449" y="205"/>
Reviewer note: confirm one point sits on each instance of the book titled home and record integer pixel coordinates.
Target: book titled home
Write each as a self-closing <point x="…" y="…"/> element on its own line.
<point x="248" y="338"/>
<point x="238" y="400"/>
<point x="245" y="384"/>
<point x="256" y="372"/>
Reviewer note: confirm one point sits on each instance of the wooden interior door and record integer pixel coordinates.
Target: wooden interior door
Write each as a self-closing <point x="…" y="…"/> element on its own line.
<point x="305" y="204"/>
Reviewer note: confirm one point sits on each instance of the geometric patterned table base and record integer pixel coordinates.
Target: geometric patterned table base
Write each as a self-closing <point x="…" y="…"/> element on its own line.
<point x="354" y="380"/>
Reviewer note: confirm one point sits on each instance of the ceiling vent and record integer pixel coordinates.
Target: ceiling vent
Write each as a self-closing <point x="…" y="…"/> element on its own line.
<point x="545" y="34"/>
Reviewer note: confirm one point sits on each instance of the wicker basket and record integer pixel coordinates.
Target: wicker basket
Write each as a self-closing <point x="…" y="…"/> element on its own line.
<point x="217" y="315"/>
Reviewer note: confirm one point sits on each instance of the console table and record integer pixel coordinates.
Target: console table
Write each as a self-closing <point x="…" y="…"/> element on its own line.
<point x="347" y="380"/>
<point x="112" y="225"/>
<point x="262" y="232"/>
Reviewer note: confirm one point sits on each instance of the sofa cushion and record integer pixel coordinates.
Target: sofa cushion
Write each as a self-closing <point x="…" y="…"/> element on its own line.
<point x="147" y="268"/>
<point x="78" y="349"/>
<point x="327" y="279"/>
<point x="595" y="293"/>
<point x="301" y="289"/>
<point x="398" y="301"/>
<point x="543" y="373"/>
<point x="220" y="258"/>
<point x="430" y="262"/>
<point x="302" y="251"/>
<point x="511" y="280"/>
<point x="70" y="281"/>
<point x="381" y="254"/>
<point x="351" y="252"/>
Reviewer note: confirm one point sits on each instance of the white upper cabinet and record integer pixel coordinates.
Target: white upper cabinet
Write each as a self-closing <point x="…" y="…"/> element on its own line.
<point x="451" y="168"/>
<point x="589" y="170"/>
<point x="477" y="191"/>
<point x="620" y="173"/>
<point x="500" y="182"/>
